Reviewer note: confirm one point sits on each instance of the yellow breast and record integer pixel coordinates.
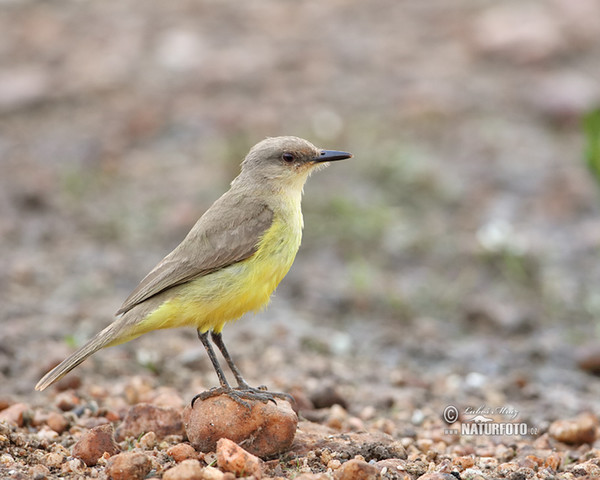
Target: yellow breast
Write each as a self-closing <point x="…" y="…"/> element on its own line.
<point x="209" y="302"/>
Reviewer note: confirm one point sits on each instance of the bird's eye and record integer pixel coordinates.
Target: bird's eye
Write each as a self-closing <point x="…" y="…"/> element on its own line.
<point x="287" y="157"/>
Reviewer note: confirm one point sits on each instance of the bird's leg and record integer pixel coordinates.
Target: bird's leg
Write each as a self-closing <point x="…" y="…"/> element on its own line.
<point x="260" y="393"/>
<point x="225" y="387"/>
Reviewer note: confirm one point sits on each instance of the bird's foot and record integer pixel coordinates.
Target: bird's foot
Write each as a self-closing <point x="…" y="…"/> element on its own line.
<point x="244" y="392"/>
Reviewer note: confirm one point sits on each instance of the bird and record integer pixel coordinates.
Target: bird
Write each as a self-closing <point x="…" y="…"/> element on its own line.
<point x="229" y="263"/>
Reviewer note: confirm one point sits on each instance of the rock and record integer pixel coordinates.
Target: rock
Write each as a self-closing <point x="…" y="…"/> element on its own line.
<point x="39" y="472"/>
<point x="5" y="402"/>
<point x="371" y="445"/>
<point x="128" y="466"/>
<point x="438" y="476"/>
<point x="67" y="401"/>
<point x="186" y="470"/>
<point x="143" y="418"/>
<point x="264" y="429"/>
<point x="93" y="443"/>
<point x="212" y="473"/>
<point x="328" y="396"/>
<point x="312" y="476"/>
<point x="356" y="470"/>
<point x="57" y="422"/>
<point x="15" y="414"/>
<point x="233" y="458"/>
<point x="148" y="441"/>
<point x="581" y="429"/>
<point x="53" y="459"/>
<point x="74" y="465"/>
<point x="181" y="452"/>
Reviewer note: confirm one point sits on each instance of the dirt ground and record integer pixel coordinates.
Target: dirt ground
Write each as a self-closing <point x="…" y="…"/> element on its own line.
<point x="453" y="262"/>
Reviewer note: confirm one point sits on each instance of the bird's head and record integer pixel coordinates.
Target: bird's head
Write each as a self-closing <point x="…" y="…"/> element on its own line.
<point x="285" y="162"/>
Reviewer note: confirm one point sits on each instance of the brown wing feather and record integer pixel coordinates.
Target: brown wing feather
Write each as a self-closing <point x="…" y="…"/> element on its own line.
<point x="227" y="233"/>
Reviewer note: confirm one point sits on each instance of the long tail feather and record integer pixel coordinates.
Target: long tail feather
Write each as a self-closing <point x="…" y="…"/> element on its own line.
<point x="108" y="336"/>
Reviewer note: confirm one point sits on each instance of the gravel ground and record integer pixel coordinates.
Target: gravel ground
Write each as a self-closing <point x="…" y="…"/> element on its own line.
<point x="447" y="272"/>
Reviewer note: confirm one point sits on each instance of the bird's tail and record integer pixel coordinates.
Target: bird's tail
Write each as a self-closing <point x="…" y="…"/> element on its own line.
<point x="111" y="335"/>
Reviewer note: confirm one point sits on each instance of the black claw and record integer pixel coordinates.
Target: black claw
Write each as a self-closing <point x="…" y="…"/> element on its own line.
<point x="239" y="395"/>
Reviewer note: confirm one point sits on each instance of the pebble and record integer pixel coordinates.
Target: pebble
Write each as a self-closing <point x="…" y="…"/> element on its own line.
<point x="15" y="414"/>
<point x="437" y="476"/>
<point x="312" y="476"/>
<point x="128" y="466"/>
<point x="186" y="470"/>
<point x="356" y="470"/>
<point x="181" y="452"/>
<point x="264" y="429"/>
<point x="53" y="460"/>
<point x="93" y="443"/>
<point x="328" y="396"/>
<point x="148" y="441"/>
<point x="57" y="422"/>
<point x="233" y="458"/>
<point x="212" y="473"/>
<point x="39" y="472"/>
<point x="66" y="401"/>
<point x="143" y="418"/>
<point x="576" y="431"/>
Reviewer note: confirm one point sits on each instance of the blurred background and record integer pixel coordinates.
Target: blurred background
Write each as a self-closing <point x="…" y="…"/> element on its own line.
<point x="453" y="259"/>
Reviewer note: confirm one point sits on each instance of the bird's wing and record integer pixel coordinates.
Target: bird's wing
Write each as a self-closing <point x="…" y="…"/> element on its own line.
<point x="227" y="233"/>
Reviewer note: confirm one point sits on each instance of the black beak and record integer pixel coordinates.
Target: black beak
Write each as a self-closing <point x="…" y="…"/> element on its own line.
<point x="331" y="156"/>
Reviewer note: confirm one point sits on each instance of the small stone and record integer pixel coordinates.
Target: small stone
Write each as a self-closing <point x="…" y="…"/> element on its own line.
<point x="186" y="470"/>
<point x="462" y="463"/>
<point x="148" y="441"/>
<point x="74" y="465"/>
<point x="264" y="429"/>
<point x="70" y="382"/>
<point x="181" y="452"/>
<point x="168" y="397"/>
<point x="553" y="461"/>
<point x="328" y="396"/>
<point x="312" y="476"/>
<point x="128" y="466"/>
<point x="93" y="443"/>
<point x="581" y="429"/>
<point x="143" y="418"/>
<point x="212" y="473"/>
<point x="53" y="459"/>
<point x="356" y="470"/>
<point x="57" y="422"/>
<point x="438" y="476"/>
<point x="15" y="414"/>
<point x="66" y="401"/>
<point x="46" y="433"/>
<point x="39" y="472"/>
<point x="233" y="458"/>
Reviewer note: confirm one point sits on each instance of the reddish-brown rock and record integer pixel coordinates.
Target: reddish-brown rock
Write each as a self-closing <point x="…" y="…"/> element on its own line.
<point x="14" y="414"/>
<point x="581" y="429"/>
<point x="128" y="466"/>
<point x="93" y="443"/>
<point x="182" y="451"/>
<point x="233" y="458"/>
<point x="264" y="429"/>
<point x="57" y="422"/>
<point x="356" y="470"/>
<point x="144" y="418"/>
